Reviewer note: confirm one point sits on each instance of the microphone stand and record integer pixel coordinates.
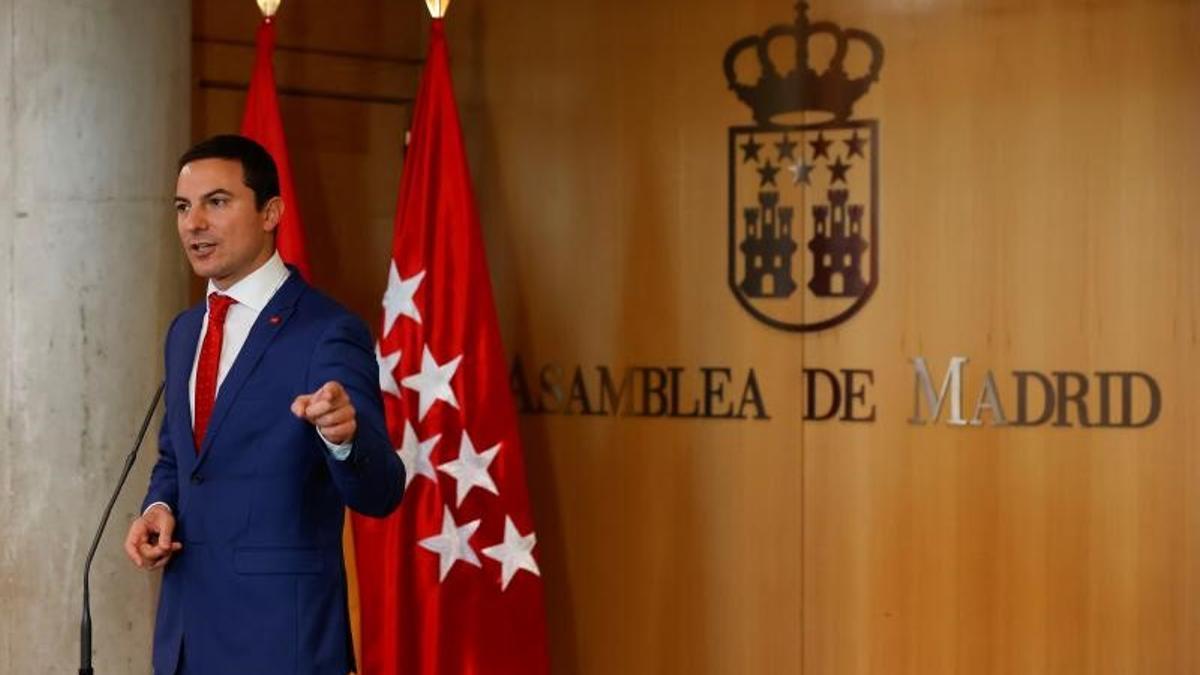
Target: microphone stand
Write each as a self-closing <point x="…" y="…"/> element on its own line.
<point x="85" y="625"/>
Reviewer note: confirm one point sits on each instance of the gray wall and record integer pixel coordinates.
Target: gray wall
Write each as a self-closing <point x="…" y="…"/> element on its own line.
<point x="94" y="108"/>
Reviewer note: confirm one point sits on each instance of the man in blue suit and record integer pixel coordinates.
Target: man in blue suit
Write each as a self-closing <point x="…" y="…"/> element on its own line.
<point x="273" y="425"/>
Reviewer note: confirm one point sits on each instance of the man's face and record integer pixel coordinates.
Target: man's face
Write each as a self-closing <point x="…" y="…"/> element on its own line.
<point x="224" y="236"/>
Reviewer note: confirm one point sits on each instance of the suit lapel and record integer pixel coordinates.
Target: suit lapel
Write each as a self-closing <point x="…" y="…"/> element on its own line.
<point x="270" y="321"/>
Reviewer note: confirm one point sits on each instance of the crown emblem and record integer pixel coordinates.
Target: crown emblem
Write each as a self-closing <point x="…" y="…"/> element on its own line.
<point x="831" y="91"/>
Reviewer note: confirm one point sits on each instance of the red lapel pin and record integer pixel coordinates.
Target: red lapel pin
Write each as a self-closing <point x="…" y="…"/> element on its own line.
<point x="274" y="320"/>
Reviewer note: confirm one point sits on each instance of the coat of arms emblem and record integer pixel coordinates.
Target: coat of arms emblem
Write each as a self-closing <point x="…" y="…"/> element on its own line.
<point x="804" y="178"/>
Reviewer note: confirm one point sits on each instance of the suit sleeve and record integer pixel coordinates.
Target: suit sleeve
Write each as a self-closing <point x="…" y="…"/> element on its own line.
<point x="164" y="477"/>
<point x="371" y="478"/>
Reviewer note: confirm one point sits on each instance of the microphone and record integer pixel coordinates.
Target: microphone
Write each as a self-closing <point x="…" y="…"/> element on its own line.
<point x="85" y="625"/>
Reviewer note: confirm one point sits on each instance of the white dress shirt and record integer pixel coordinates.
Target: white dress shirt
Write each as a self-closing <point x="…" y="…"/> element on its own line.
<point x="252" y="294"/>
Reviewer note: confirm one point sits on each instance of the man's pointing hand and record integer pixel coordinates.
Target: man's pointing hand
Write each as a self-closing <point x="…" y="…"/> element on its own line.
<point x="330" y="410"/>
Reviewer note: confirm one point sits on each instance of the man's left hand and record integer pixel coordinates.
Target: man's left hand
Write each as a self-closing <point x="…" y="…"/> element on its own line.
<point x="330" y="410"/>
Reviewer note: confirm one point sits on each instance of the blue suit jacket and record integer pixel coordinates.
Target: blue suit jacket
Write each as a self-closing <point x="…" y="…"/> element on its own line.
<point x="259" y="586"/>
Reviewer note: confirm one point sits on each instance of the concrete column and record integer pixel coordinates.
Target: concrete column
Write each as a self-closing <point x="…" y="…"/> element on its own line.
<point x="94" y="109"/>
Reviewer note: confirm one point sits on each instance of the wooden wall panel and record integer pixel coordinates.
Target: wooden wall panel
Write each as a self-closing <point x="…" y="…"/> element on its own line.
<point x="1036" y="200"/>
<point x="1037" y="163"/>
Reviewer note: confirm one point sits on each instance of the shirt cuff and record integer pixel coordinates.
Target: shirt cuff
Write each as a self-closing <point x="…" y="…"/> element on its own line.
<point x="154" y="504"/>
<point x="339" y="452"/>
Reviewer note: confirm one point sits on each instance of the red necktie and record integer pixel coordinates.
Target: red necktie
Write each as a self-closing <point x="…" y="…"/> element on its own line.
<point x="210" y="362"/>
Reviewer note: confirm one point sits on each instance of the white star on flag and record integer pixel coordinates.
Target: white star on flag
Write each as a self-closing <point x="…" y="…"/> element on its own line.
<point x="415" y="454"/>
<point x="387" y="367"/>
<point x="514" y="553"/>
<point x="470" y="469"/>
<point x="433" y="382"/>
<point x="398" y="299"/>
<point x="453" y="544"/>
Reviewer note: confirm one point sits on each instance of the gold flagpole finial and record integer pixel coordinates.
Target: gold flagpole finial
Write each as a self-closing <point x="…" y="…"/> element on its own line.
<point x="268" y="7"/>
<point x="437" y="8"/>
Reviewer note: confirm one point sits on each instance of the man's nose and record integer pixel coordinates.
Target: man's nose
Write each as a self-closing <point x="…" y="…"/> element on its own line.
<point x="193" y="219"/>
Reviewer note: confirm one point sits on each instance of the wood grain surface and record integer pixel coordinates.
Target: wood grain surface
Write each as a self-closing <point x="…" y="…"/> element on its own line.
<point x="1038" y="164"/>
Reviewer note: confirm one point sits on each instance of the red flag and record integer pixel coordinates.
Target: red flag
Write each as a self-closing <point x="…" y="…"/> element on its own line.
<point x="262" y="123"/>
<point x="449" y="583"/>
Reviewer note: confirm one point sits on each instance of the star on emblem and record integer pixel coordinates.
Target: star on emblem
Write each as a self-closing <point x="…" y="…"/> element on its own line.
<point x="837" y="171"/>
<point x="514" y="553"/>
<point x="470" y="469"/>
<point x="387" y="367"/>
<point x="820" y="146"/>
<point x="766" y="173"/>
<point x="453" y="544"/>
<point x="786" y="148"/>
<point x="854" y="145"/>
<point x="414" y="454"/>
<point x="398" y="298"/>
<point x="751" y="148"/>
<point x="432" y="384"/>
<point x="800" y="172"/>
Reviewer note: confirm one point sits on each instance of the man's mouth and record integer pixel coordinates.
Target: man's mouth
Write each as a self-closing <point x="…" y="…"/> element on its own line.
<point x="203" y="246"/>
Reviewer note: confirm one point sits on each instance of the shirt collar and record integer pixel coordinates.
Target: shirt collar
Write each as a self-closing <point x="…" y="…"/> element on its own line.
<point x="255" y="290"/>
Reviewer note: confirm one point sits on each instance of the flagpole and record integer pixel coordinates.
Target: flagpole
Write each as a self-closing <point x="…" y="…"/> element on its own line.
<point x="437" y="8"/>
<point x="268" y="7"/>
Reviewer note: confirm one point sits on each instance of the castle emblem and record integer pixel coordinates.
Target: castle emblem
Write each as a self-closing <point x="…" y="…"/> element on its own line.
<point x="803" y="179"/>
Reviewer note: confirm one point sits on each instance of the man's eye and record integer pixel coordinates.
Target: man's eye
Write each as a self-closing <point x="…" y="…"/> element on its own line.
<point x="181" y="208"/>
<point x="219" y="201"/>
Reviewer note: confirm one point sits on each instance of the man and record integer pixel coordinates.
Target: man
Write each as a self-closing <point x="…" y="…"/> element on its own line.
<point x="273" y="424"/>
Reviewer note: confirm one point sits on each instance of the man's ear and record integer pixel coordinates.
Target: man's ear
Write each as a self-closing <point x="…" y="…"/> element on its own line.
<point x="272" y="213"/>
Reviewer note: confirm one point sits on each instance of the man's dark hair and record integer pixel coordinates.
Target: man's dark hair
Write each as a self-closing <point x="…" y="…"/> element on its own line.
<point x="258" y="169"/>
